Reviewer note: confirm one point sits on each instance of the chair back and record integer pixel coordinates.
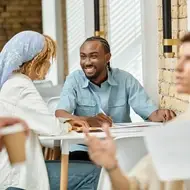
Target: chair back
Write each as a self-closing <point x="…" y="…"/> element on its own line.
<point x="43" y="84"/>
<point x="52" y="104"/>
<point x="51" y="147"/>
<point x="129" y="151"/>
<point x="49" y="92"/>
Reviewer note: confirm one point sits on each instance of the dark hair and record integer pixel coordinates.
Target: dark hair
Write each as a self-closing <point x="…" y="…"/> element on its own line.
<point x="185" y="38"/>
<point x="105" y="44"/>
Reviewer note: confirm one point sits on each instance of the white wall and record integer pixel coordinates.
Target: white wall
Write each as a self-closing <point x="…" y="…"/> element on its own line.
<point x="150" y="48"/>
<point x="188" y="15"/>
<point x="80" y="25"/>
<point x="53" y="26"/>
<point x="89" y="17"/>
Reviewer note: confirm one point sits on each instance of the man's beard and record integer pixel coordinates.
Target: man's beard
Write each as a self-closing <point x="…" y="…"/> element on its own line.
<point x="92" y="77"/>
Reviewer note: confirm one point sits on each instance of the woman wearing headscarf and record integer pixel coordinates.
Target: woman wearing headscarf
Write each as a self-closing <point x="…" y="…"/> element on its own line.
<point x="143" y="176"/>
<point x="24" y="58"/>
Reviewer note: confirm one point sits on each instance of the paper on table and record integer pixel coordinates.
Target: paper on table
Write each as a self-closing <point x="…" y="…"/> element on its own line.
<point x="133" y="127"/>
<point x="169" y="148"/>
<point x="126" y="130"/>
<point x="136" y="124"/>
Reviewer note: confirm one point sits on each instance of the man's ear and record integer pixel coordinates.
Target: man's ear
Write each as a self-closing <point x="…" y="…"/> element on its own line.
<point x="108" y="57"/>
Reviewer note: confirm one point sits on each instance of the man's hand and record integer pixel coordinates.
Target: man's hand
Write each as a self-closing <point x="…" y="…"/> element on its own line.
<point x="6" y="121"/>
<point x="102" y="152"/>
<point x="162" y="115"/>
<point x="99" y="120"/>
<point x="104" y="119"/>
<point x="78" y="123"/>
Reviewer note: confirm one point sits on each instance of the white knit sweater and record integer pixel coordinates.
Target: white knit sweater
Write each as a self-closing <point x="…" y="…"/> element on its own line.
<point x="19" y="97"/>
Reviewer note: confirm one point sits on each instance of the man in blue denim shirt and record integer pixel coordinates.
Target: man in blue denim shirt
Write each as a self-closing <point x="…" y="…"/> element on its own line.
<point x="102" y="89"/>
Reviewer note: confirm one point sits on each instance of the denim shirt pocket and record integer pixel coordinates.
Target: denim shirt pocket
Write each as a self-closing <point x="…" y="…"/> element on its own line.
<point x="117" y="103"/>
<point x="86" y="107"/>
<point x="117" y="109"/>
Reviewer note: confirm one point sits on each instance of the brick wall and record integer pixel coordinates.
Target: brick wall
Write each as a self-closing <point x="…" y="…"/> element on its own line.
<point x="19" y="15"/>
<point x="103" y="18"/>
<point x="65" y="43"/>
<point x="169" y="98"/>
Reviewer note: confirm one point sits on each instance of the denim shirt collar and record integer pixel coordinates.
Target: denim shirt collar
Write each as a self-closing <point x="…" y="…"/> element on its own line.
<point x="110" y="80"/>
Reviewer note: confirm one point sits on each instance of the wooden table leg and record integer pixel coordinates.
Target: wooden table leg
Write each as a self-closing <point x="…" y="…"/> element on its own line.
<point x="64" y="171"/>
<point x="64" y="165"/>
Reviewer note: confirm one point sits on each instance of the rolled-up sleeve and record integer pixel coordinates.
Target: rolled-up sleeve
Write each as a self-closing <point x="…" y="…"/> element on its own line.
<point x="138" y="99"/>
<point x="68" y="95"/>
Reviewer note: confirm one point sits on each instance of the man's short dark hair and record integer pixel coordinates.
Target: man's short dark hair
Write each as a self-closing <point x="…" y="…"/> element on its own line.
<point x="104" y="43"/>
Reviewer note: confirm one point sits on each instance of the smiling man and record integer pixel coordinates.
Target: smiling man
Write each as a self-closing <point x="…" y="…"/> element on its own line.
<point x="98" y="88"/>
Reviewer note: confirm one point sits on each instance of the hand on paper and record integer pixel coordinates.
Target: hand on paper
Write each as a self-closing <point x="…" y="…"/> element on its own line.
<point x="78" y="123"/>
<point x="99" y="120"/>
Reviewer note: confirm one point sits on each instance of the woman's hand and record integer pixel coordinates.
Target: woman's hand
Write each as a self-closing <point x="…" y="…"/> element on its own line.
<point x="6" y="121"/>
<point x="102" y="152"/>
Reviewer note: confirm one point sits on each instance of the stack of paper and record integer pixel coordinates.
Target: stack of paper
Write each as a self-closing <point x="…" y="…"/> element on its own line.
<point x="138" y="124"/>
<point x="133" y="127"/>
<point x="170" y="151"/>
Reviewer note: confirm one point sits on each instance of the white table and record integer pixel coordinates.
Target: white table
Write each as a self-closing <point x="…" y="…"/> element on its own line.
<point x="75" y="138"/>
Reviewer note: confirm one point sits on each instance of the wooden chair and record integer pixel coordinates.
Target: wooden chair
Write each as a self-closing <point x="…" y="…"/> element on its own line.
<point x="51" y="154"/>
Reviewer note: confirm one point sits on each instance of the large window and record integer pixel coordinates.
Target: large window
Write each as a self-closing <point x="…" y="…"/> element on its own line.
<point x="80" y="19"/>
<point x="125" y="37"/>
<point x="75" y="31"/>
<point x="80" y="25"/>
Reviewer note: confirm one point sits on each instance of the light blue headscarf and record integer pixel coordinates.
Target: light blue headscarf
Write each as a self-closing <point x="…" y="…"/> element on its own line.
<point x="21" y="48"/>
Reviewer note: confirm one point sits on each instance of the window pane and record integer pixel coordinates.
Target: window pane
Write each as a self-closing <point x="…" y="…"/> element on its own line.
<point x="75" y="31"/>
<point x="125" y="36"/>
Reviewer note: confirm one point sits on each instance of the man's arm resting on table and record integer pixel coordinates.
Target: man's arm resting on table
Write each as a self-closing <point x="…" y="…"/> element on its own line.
<point x="94" y="121"/>
<point x="161" y="115"/>
<point x="65" y="114"/>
